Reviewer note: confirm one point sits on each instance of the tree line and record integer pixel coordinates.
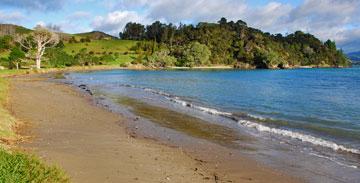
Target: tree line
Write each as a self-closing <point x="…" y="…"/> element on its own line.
<point x="229" y="43"/>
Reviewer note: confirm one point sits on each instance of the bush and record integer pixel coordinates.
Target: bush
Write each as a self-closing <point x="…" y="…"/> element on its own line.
<point x="107" y="58"/>
<point x="6" y="42"/>
<point x="196" y="54"/>
<point x="161" y="59"/>
<point x="59" y="58"/>
<point x="124" y="64"/>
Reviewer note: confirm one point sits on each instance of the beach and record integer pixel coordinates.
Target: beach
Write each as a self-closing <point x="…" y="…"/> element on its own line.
<point x="93" y="144"/>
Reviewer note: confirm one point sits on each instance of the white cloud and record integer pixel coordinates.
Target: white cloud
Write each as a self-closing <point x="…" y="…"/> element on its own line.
<point x="40" y="23"/>
<point x="42" y="5"/>
<point x="78" y="16"/>
<point x="11" y="17"/>
<point x="115" y="22"/>
<point x="327" y="19"/>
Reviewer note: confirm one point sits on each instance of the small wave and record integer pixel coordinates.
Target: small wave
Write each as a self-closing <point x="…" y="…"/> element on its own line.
<point x="147" y="90"/>
<point x="295" y="135"/>
<point x="256" y="117"/>
<point x="203" y="109"/>
<point x="262" y="128"/>
<point x="332" y="159"/>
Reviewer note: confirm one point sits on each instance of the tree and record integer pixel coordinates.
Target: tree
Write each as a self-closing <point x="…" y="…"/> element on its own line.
<point x="57" y="57"/>
<point x="161" y="59"/>
<point x="40" y="39"/>
<point x="154" y="31"/>
<point x="230" y="42"/>
<point x="196" y="54"/>
<point x="82" y="57"/>
<point x="5" y="42"/>
<point x="16" y="56"/>
<point x="222" y="21"/>
<point x="330" y="44"/>
<point x="133" y="31"/>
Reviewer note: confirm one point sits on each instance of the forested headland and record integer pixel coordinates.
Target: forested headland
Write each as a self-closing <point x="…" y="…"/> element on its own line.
<point x="229" y="43"/>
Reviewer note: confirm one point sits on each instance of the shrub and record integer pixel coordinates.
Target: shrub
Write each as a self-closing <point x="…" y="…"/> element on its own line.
<point x="161" y="59"/>
<point x="196" y="54"/>
<point x="59" y="58"/>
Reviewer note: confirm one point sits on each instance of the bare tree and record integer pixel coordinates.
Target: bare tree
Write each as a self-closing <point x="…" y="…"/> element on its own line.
<point x="40" y="39"/>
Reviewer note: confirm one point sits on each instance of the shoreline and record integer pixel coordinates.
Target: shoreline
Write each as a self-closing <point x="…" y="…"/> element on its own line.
<point x="215" y="170"/>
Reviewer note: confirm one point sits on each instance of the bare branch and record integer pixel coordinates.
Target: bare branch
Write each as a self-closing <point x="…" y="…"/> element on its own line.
<point x="24" y="41"/>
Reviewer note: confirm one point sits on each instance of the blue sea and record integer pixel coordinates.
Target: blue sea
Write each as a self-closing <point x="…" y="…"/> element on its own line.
<point x="313" y="112"/>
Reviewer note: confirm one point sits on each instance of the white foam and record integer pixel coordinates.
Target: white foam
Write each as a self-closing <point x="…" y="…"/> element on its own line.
<point x="203" y="109"/>
<point x="256" y="117"/>
<point x="333" y="160"/>
<point x="212" y="111"/>
<point x="299" y="136"/>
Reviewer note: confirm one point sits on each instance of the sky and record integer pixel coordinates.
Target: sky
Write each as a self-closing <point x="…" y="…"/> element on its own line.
<point x="338" y="20"/>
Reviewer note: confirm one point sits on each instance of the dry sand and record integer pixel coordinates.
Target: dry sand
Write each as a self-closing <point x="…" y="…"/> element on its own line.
<point x="92" y="145"/>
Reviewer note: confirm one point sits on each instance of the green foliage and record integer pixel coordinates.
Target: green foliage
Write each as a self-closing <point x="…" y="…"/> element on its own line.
<point x="22" y="168"/>
<point x="133" y="31"/>
<point x="73" y="40"/>
<point x="16" y="54"/>
<point x="6" y="42"/>
<point x="85" y="40"/>
<point x="60" y="44"/>
<point x="161" y="59"/>
<point x="82" y="57"/>
<point x="57" y="57"/>
<point x="235" y="42"/>
<point x="330" y="45"/>
<point x="106" y="59"/>
<point x="196" y="54"/>
<point x="15" y="57"/>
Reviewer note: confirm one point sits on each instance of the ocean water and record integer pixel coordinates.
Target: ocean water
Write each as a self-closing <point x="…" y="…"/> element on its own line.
<point x="315" y="112"/>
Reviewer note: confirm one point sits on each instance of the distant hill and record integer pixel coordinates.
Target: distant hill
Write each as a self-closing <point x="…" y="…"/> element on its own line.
<point x="96" y="35"/>
<point x="354" y="56"/>
<point x="10" y="29"/>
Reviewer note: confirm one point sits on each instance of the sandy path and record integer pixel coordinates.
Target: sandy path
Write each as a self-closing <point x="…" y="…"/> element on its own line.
<point x="89" y="143"/>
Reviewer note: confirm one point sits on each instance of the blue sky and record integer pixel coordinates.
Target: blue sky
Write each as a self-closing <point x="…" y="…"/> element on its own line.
<point x="338" y="20"/>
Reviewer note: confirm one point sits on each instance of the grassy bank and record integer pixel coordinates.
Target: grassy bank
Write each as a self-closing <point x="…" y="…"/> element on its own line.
<point x="20" y="167"/>
<point x="17" y="166"/>
<point x="7" y="122"/>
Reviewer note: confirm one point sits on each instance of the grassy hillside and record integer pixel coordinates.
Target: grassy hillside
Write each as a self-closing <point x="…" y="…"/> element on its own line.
<point x="10" y="29"/>
<point x="120" y="49"/>
<point x="95" y="35"/>
<point x="101" y="46"/>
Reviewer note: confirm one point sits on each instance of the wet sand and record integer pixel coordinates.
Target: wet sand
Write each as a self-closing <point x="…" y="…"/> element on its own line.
<point x="93" y="145"/>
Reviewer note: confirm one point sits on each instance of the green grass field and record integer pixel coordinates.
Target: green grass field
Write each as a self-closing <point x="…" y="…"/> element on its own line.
<point x="101" y="46"/>
<point x="121" y="48"/>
